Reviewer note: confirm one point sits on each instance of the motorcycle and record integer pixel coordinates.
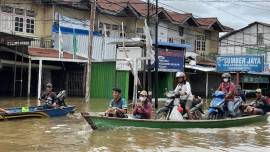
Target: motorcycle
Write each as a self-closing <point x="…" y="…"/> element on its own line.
<point x="172" y="102"/>
<point x="218" y="110"/>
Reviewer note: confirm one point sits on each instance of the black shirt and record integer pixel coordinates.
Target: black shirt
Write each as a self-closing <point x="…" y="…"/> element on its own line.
<point x="49" y="97"/>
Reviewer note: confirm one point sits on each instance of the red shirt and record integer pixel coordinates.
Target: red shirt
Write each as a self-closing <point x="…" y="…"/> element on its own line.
<point x="228" y="87"/>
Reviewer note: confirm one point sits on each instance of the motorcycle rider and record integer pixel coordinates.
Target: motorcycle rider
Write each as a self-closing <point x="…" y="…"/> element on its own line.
<point x="228" y="88"/>
<point x="183" y="88"/>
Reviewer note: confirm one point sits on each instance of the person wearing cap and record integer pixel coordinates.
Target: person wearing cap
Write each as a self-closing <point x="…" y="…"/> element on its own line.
<point x="49" y="97"/>
<point x="143" y="108"/>
<point x="228" y="88"/>
<point x="118" y="106"/>
<point x="183" y="89"/>
<point x="260" y="106"/>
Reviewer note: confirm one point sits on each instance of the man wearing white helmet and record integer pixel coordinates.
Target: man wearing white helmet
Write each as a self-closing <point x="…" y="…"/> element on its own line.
<point x="184" y="90"/>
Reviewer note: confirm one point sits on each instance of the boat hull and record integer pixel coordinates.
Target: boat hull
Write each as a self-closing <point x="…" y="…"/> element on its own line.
<point x="35" y="112"/>
<point x="22" y="115"/>
<point x="99" y="121"/>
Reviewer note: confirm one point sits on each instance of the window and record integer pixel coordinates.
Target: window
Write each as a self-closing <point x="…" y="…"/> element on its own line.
<point x="30" y="25"/>
<point x="183" y="41"/>
<point x="19" y="11"/>
<point x="7" y="9"/>
<point x="203" y="45"/>
<point x="108" y="26"/>
<point x="181" y="31"/>
<point x="260" y="39"/>
<point x="170" y="40"/>
<point x="100" y="25"/>
<point x="200" y="43"/>
<point x="19" y="24"/>
<point x="115" y="27"/>
<point x="121" y="34"/>
<point x="108" y="33"/>
<point x="139" y="30"/>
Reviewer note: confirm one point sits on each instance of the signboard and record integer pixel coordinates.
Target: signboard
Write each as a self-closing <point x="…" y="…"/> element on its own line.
<point x="171" y="60"/>
<point x="240" y="63"/>
<point x="128" y="53"/>
<point x="254" y="79"/>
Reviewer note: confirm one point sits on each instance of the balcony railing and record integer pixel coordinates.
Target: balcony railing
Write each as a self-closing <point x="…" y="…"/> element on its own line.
<point x="42" y="43"/>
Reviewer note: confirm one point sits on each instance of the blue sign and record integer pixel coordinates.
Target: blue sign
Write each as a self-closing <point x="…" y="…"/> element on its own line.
<point x="171" y="60"/>
<point x="240" y="63"/>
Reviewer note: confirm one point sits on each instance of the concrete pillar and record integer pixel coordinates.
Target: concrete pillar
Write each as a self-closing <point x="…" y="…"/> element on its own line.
<point x="29" y="78"/>
<point x="39" y="81"/>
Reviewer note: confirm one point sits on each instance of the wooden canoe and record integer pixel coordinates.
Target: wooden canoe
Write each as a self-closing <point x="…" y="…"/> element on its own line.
<point x="22" y="115"/>
<point x="35" y="112"/>
<point x="101" y="121"/>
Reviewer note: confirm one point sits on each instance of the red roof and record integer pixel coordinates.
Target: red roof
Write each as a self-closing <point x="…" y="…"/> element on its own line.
<point x="181" y="18"/>
<point x="206" y="22"/>
<point x="50" y="53"/>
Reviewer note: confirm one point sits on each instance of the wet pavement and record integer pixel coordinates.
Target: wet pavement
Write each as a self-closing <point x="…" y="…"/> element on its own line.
<point x="72" y="134"/>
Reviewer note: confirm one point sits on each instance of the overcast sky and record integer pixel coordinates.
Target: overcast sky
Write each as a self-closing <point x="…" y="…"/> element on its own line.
<point x="233" y="13"/>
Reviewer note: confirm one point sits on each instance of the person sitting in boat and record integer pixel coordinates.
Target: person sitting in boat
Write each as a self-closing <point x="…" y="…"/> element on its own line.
<point x="228" y="88"/>
<point x="49" y="97"/>
<point x="260" y="106"/>
<point x="183" y="89"/>
<point x="143" y="108"/>
<point x="118" y="106"/>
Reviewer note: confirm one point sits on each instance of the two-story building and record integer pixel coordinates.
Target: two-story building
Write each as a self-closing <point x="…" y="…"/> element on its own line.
<point x="63" y="25"/>
<point x="254" y="39"/>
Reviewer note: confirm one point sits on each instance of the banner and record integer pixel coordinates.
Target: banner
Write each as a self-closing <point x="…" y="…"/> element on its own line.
<point x="240" y="63"/>
<point x="171" y="60"/>
<point x="125" y="57"/>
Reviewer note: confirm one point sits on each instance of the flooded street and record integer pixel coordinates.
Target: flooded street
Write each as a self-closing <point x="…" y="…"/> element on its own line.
<point x="72" y="134"/>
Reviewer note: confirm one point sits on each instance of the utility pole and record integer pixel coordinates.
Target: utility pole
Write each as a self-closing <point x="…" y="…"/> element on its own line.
<point x="93" y="4"/>
<point x="149" y="75"/>
<point x="156" y="57"/>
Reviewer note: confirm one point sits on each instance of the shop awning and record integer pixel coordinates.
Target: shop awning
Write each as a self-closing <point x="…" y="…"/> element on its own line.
<point x="200" y="68"/>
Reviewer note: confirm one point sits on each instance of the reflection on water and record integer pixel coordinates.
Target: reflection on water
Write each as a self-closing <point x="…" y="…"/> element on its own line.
<point x="72" y="134"/>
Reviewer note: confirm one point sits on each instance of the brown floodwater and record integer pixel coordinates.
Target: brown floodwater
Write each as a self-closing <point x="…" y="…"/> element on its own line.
<point x="72" y="134"/>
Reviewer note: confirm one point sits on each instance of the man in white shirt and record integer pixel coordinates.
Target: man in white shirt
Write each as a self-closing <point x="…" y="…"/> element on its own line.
<point x="184" y="90"/>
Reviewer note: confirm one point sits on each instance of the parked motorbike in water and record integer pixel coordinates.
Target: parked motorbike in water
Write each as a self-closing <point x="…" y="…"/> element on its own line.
<point x="172" y="102"/>
<point x="218" y="110"/>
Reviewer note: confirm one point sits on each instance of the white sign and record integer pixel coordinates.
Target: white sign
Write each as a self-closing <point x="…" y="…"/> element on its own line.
<point x="125" y="58"/>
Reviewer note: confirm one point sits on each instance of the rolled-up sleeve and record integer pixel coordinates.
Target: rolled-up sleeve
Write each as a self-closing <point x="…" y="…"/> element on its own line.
<point x="124" y="104"/>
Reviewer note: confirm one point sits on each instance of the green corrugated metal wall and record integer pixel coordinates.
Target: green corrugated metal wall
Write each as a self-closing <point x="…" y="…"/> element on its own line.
<point x="165" y="80"/>
<point x="104" y="79"/>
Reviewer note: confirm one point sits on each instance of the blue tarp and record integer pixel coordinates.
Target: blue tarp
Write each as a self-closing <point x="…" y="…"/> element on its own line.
<point x="176" y="45"/>
<point x="68" y="30"/>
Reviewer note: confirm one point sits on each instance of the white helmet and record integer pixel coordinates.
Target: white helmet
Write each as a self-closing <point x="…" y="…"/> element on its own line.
<point x="180" y="74"/>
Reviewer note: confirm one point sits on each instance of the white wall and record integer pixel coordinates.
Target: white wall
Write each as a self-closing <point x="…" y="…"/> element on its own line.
<point x="239" y="42"/>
